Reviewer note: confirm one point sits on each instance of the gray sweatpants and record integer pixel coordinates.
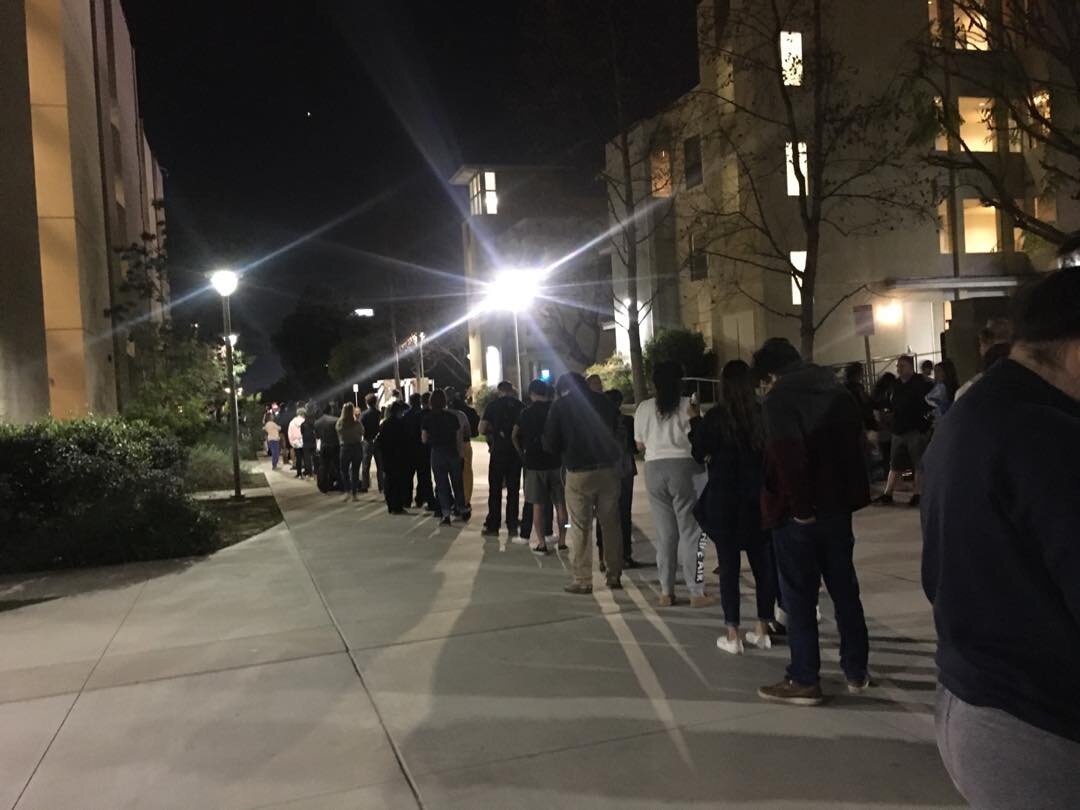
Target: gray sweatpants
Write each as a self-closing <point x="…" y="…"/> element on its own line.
<point x="672" y="497"/>
<point x="999" y="762"/>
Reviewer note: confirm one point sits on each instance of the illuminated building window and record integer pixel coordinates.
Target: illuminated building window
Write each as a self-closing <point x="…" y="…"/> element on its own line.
<point x="971" y="29"/>
<point x="980" y="228"/>
<point x="699" y="259"/>
<point x="660" y="173"/>
<point x="798" y="261"/>
<point x="791" y="57"/>
<point x="483" y="198"/>
<point x="692" y="161"/>
<point x="944" y="230"/>
<point x="493" y="364"/>
<point x="933" y="9"/>
<point x="1040" y="104"/>
<point x="976" y="123"/>
<point x="792" y="180"/>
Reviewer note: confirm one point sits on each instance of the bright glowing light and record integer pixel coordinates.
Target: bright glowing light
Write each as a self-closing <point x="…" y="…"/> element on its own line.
<point x="545" y="374"/>
<point x="493" y="364"/>
<point x="890" y="314"/>
<point x="356" y="388"/>
<point x="364" y="312"/>
<point x="225" y="282"/>
<point x="512" y="290"/>
<point x="233" y="338"/>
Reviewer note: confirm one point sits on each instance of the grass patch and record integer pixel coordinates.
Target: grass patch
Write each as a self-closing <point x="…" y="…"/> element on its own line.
<point x="239" y="520"/>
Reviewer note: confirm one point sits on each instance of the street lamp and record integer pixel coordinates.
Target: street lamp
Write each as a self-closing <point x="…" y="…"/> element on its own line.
<point x="513" y="290"/>
<point x="226" y="282"/>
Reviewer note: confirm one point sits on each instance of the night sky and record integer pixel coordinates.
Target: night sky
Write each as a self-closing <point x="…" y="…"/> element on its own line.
<point x="274" y="119"/>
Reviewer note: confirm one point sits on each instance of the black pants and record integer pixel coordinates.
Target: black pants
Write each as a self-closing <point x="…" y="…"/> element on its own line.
<point x="352" y="457"/>
<point x="626" y="503"/>
<point x="329" y="467"/>
<point x="425" y="489"/>
<point x="305" y="461"/>
<point x="503" y="472"/>
<point x="396" y="484"/>
<point x="759" y="554"/>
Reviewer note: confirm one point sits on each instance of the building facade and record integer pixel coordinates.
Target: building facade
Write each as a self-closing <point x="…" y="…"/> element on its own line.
<point x="718" y="175"/>
<point x="533" y="241"/>
<point x="78" y="183"/>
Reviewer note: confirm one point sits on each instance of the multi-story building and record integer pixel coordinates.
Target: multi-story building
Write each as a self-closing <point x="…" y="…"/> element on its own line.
<point x="78" y="182"/>
<point x="718" y="184"/>
<point x="533" y="241"/>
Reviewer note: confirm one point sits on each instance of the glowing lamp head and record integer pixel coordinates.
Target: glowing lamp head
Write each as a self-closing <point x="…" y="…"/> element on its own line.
<point x="890" y="314"/>
<point x="233" y="338"/>
<point x="364" y="312"/>
<point x="512" y="290"/>
<point x="225" y="282"/>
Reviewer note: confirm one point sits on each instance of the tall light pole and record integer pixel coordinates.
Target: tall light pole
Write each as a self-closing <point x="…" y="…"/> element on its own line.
<point x="226" y="282"/>
<point x="512" y="291"/>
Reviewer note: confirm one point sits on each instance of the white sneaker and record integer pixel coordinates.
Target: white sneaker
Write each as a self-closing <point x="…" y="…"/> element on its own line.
<point x="518" y="540"/>
<point x="762" y="642"/>
<point x="730" y="645"/>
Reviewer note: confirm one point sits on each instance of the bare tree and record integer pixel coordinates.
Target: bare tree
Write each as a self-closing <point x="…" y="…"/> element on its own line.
<point x="1029" y="69"/>
<point x="832" y="132"/>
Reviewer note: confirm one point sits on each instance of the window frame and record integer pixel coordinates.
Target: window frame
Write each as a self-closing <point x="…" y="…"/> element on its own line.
<point x="693" y="171"/>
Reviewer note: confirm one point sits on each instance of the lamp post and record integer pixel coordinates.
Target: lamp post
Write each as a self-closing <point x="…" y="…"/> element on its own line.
<point x="513" y="290"/>
<point x="226" y="282"/>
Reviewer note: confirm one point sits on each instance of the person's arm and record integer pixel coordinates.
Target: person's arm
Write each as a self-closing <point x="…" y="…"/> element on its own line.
<point x="485" y="426"/>
<point x="639" y="428"/>
<point x="702" y="438"/>
<point x="515" y="438"/>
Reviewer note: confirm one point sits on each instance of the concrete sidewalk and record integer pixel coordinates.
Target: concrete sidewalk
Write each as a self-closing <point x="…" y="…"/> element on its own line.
<point x="350" y="659"/>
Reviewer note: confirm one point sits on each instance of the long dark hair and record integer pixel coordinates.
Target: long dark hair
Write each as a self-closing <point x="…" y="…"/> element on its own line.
<point x="667" y="380"/>
<point x="743" y="423"/>
<point x="952" y="380"/>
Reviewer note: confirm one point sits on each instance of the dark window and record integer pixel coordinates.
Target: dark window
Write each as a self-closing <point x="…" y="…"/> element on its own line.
<point x="692" y="161"/>
<point x="699" y="259"/>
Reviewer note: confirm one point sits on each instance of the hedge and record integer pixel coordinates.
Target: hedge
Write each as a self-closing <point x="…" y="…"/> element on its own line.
<point x="95" y="492"/>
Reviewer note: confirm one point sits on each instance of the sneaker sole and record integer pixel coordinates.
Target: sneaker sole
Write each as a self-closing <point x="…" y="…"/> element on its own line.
<point x="791" y="701"/>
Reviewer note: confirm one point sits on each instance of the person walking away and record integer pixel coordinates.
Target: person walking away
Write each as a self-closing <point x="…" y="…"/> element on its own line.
<point x="425" y="487"/>
<point x="458" y="403"/>
<point x="731" y="440"/>
<point x="1001" y="563"/>
<point x="814" y="481"/>
<point x="581" y="429"/>
<point x="910" y="428"/>
<point x="504" y="466"/>
<point x="662" y="431"/>
<point x="296" y="440"/>
<point x="628" y="471"/>
<point x="351" y="450"/>
<point x="329" y="450"/>
<point x="307" y="432"/>
<point x="441" y="432"/>
<point x="543" y="476"/>
<point x="943" y="393"/>
<point x="393" y="446"/>
<point x="466" y="450"/>
<point x="273" y="441"/>
<point x="371" y="419"/>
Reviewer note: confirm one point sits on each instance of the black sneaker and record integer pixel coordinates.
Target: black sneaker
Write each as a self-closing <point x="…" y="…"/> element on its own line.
<point x="630" y="563"/>
<point x="914" y="500"/>
<point x="488" y="532"/>
<point x="883" y="499"/>
<point x="445" y="521"/>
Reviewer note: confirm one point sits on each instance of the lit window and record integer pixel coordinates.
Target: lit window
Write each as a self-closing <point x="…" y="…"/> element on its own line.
<point x="934" y="12"/>
<point x="944" y="231"/>
<point x="976" y="123"/>
<point x="1040" y="104"/>
<point x="791" y="58"/>
<point x="798" y="261"/>
<point x="660" y="173"/>
<point x="699" y="259"/>
<point x="692" y="161"/>
<point x="941" y="140"/>
<point x="980" y="228"/>
<point x="482" y="196"/>
<point x="792" y="180"/>
<point x="971" y="30"/>
<point x="493" y="364"/>
<point x="491" y="202"/>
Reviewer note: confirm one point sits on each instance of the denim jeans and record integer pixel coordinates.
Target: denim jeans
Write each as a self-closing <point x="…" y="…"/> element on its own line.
<point x="352" y="456"/>
<point x="274" y="448"/>
<point x="446" y="466"/>
<point x="759" y="554"/>
<point x="365" y="473"/>
<point x="503" y="472"/>
<point x="804" y="556"/>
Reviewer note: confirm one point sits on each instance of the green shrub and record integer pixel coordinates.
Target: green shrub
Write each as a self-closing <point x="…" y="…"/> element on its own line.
<point x="208" y="467"/>
<point x="94" y="492"/>
<point x="482" y="395"/>
<point x="683" y="346"/>
<point x="615" y="373"/>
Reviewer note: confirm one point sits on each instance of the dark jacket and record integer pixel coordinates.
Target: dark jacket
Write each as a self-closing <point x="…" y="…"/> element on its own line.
<point x="583" y="428"/>
<point x="1001" y="560"/>
<point x="326" y="431"/>
<point x="371" y="419"/>
<point x="307" y="432"/>
<point x="814" y="450"/>
<point x="729" y="509"/>
<point x="911" y="411"/>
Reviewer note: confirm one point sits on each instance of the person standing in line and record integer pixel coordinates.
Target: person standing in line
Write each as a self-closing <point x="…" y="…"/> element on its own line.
<point x="459" y="404"/>
<point x="1001" y="563"/>
<point x="595" y="383"/>
<point x="351" y="441"/>
<point x="465" y="449"/>
<point x="662" y="431"/>
<point x="926" y="369"/>
<point x="393" y="451"/>
<point x="273" y="441"/>
<point x="504" y="466"/>
<point x="582" y="430"/>
<point x="910" y="428"/>
<point x="307" y="432"/>
<point x="411" y="419"/>
<point x="441" y="433"/>
<point x="371" y="419"/>
<point x="815" y="479"/>
<point x="296" y="440"/>
<point x="627" y="471"/>
<point x="283" y="420"/>
<point x="731" y="440"/>
<point x="943" y="393"/>
<point x="329" y="450"/>
<point x="994" y="344"/>
<point x="543" y="474"/>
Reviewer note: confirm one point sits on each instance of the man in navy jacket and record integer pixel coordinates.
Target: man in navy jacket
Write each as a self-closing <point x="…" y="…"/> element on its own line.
<point x="1001" y="563"/>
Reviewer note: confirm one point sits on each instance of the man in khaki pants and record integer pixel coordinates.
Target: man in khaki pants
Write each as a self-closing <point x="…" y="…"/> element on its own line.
<point x="582" y="429"/>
